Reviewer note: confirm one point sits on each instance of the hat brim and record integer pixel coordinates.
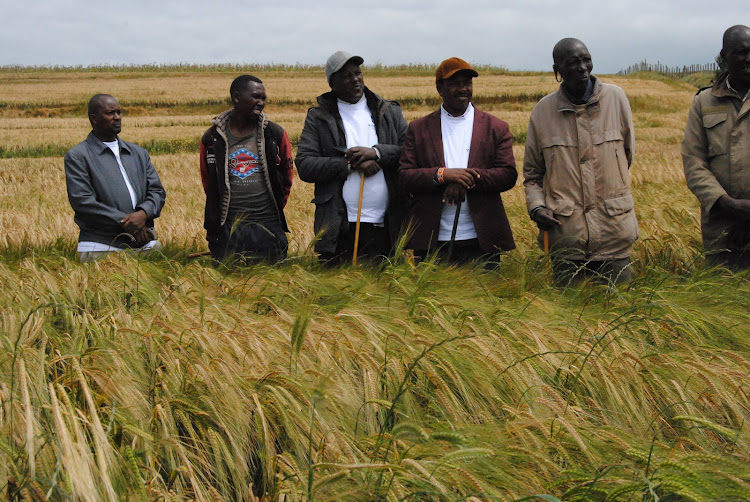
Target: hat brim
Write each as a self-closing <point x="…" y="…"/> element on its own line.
<point x="468" y="71"/>
<point x="354" y="59"/>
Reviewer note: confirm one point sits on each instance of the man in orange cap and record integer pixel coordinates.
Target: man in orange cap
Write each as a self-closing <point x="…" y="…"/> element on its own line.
<point x="456" y="162"/>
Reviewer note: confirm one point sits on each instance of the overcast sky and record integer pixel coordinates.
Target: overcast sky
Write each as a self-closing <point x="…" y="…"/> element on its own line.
<point x="516" y="35"/>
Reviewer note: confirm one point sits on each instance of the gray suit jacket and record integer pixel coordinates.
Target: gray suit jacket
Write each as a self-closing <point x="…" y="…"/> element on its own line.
<point x="98" y="194"/>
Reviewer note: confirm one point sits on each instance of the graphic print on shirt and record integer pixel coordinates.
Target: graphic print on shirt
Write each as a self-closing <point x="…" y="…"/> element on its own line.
<point x="243" y="163"/>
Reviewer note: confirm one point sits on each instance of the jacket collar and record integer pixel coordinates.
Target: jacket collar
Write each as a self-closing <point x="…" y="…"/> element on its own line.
<point x="478" y="134"/>
<point x="565" y="104"/>
<point x="327" y="101"/>
<point x="99" y="147"/>
<point x="221" y="122"/>
<point x="720" y="89"/>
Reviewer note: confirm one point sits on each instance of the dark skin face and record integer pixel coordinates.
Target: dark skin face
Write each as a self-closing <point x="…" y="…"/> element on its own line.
<point x="736" y="53"/>
<point x="348" y="84"/>
<point x="456" y="92"/>
<point x="574" y="66"/>
<point x="248" y="105"/>
<point x="106" y="123"/>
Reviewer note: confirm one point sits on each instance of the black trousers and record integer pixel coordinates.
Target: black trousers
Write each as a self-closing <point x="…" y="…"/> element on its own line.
<point x="374" y="245"/>
<point x="251" y="242"/>
<point x="733" y="260"/>
<point x="570" y="272"/>
<point x="462" y="253"/>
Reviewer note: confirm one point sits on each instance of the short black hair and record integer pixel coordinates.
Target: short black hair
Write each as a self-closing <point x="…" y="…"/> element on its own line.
<point x="95" y="103"/>
<point x="731" y="35"/>
<point x="240" y="82"/>
<point x="561" y="49"/>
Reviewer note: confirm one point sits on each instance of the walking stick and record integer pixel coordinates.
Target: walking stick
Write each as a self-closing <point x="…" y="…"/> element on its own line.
<point x="359" y="217"/>
<point x="545" y="236"/>
<point x="199" y="253"/>
<point x="455" y="228"/>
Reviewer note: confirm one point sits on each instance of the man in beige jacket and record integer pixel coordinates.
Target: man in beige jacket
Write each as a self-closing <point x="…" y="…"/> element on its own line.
<point x="716" y="155"/>
<point x="579" y="148"/>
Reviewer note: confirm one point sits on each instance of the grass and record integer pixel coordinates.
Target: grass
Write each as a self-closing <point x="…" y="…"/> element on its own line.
<point x="166" y="378"/>
<point x="357" y="384"/>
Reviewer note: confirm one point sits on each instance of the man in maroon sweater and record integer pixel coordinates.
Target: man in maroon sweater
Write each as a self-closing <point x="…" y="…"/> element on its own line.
<point x="456" y="162"/>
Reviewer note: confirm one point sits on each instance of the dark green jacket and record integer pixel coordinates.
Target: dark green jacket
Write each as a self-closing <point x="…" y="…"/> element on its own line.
<point x="320" y="160"/>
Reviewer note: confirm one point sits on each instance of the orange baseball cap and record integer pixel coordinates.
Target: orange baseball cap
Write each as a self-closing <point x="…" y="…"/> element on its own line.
<point x="451" y="66"/>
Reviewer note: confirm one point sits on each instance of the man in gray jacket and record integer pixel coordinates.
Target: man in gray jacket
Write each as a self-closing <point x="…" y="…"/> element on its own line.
<point x="579" y="148"/>
<point x="112" y="187"/>
<point x="352" y="133"/>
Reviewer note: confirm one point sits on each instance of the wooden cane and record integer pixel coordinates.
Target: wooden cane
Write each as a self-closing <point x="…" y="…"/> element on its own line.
<point x="455" y="229"/>
<point x="200" y="253"/>
<point x="359" y="217"/>
<point x="545" y="237"/>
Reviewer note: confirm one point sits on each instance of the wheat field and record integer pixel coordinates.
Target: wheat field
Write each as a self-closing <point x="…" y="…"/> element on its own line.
<point x="167" y="378"/>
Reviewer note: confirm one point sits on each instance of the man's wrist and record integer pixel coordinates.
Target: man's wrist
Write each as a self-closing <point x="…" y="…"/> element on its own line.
<point x="535" y="210"/>
<point x="440" y="176"/>
<point x="725" y="203"/>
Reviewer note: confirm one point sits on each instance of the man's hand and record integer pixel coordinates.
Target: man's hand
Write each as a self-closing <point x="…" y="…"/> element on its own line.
<point x="134" y="222"/>
<point x="738" y="237"/>
<point x="368" y="168"/>
<point x="544" y="218"/>
<point x="737" y="208"/>
<point x="467" y="178"/>
<point x="454" y="193"/>
<point x="357" y="155"/>
<point x="143" y="237"/>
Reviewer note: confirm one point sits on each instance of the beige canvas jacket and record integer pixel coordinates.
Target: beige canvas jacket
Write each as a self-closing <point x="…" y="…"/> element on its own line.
<point x="577" y="164"/>
<point x="716" y="157"/>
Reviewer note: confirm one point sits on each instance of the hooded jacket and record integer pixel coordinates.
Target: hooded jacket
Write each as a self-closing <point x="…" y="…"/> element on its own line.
<point x="278" y="169"/>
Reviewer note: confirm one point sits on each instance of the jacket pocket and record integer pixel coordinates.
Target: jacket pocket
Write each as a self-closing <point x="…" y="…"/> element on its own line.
<point x="322" y="198"/>
<point x="554" y="141"/>
<point x="606" y="136"/>
<point x="716" y="126"/>
<point x="560" y="207"/>
<point x="609" y="155"/>
<point x="559" y="154"/>
<point x="619" y="205"/>
<point x="323" y="211"/>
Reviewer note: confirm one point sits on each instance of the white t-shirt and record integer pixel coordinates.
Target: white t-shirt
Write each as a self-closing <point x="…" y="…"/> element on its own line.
<point x="359" y="128"/>
<point x="457" y="132"/>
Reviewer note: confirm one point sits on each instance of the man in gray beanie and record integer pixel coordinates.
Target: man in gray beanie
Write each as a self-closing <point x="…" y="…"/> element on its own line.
<point x="351" y="134"/>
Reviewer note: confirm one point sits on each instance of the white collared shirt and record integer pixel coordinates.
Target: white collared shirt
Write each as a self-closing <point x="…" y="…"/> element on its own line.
<point x="457" y="133"/>
<point x="115" y="147"/>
